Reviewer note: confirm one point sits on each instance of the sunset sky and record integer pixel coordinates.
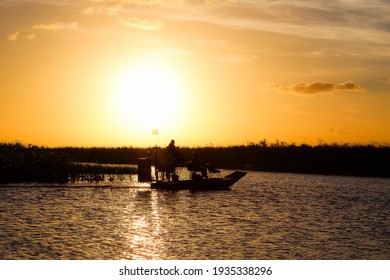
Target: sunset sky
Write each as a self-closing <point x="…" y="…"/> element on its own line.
<point x="222" y="72"/>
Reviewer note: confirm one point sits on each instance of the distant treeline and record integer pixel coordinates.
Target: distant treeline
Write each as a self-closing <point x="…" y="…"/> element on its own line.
<point x="30" y="163"/>
<point x="333" y="159"/>
<point x="355" y="160"/>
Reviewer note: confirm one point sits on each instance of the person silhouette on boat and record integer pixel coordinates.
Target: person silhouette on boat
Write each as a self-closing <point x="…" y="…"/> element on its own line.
<point x="174" y="153"/>
<point x="196" y="166"/>
<point x="175" y="159"/>
<point x="171" y="148"/>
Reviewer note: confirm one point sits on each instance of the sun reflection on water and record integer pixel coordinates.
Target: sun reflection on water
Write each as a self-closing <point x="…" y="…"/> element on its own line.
<point x="143" y="232"/>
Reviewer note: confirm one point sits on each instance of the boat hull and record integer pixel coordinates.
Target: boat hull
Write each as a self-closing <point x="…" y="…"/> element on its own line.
<point x="201" y="184"/>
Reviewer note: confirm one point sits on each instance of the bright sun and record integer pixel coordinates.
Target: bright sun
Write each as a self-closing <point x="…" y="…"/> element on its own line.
<point x="148" y="97"/>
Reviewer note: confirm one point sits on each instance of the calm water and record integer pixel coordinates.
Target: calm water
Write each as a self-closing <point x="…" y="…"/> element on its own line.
<point x="265" y="216"/>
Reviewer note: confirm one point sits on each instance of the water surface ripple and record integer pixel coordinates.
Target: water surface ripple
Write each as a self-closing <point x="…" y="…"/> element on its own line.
<point x="265" y="216"/>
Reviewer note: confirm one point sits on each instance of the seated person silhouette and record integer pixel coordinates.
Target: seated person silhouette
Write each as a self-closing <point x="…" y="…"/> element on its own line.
<point x="196" y="167"/>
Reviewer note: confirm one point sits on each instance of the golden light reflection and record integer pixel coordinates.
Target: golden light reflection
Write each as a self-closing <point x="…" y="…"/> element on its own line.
<point x="143" y="237"/>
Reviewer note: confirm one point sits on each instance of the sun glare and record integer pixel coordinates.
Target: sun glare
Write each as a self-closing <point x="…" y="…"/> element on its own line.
<point x="147" y="97"/>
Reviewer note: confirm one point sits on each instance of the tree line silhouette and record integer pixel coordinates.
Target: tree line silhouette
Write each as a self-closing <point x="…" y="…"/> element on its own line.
<point x="21" y="163"/>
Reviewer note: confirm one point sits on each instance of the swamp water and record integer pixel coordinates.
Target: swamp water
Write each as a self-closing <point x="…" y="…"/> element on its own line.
<point x="264" y="216"/>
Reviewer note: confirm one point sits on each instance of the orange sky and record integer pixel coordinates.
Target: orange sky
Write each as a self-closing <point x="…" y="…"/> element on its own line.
<point x="108" y="72"/>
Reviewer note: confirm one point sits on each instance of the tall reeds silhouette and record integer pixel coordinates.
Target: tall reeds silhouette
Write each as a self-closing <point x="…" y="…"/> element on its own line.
<point x="332" y="159"/>
<point x="28" y="163"/>
<point x="19" y="163"/>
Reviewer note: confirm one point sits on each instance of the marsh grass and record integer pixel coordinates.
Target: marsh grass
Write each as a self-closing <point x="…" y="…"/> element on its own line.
<point x="94" y="172"/>
<point x="20" y="163"/>
<point x="332" y="159"/>
<point x="28" y="163"/>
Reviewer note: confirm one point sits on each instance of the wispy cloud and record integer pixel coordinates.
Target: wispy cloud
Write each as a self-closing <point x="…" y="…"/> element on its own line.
<point x="13" y="36"/>
<point x="144" y="24"/>
<point x="30" y="36"/>
<point x="304" y="19"/>
<point x="16" y="36"/>
<point x="135" y="2"/>
<point x="340" y="132"/>
<point x="314" y="88"/>
<point x="57" y="26"/>
<point x="111" y="11"/>
<point x="143" y="2"/>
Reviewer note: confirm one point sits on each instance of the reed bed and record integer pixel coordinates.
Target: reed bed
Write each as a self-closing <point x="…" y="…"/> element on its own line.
<point x="28" y="163"/>
<point x="333" y="159"/>
<point x="20" y="163"/>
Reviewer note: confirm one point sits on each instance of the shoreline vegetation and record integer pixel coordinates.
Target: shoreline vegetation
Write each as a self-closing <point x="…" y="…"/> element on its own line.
<point x="29" y="163"/>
